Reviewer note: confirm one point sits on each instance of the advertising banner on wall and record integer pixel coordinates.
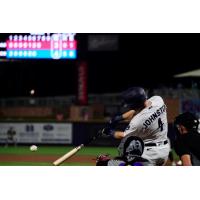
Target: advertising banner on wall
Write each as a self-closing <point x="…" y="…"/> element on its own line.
<point x="44" y="133"/>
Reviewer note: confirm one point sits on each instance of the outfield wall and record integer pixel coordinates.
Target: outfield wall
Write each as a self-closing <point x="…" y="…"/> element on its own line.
<point x="37" y="133"/>
<point x="61" y="133"/>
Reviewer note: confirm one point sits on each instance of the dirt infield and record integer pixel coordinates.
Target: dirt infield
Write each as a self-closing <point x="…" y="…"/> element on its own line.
<point x="45" y="158"/>
<point x="50" y="159"/>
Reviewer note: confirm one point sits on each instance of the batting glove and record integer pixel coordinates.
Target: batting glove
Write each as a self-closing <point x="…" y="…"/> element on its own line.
<point x="113" y="122"/>
<point x="108" y="131"/>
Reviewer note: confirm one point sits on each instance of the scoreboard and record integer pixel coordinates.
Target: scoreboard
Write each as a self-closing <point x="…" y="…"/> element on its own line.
<point x="39" y="46"/>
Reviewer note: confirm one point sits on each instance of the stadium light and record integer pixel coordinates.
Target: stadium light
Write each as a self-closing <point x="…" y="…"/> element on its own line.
<point x="32" y="92"/>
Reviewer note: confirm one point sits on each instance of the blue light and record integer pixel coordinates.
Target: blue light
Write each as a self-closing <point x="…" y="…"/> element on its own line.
<point x="15" y="53"/>
<point x="11" y="53"/>
<point x="20" y="54"/>
<point x="41" y="54"/>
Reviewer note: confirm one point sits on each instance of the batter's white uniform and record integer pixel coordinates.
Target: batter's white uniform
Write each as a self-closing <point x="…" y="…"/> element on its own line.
<point x="151" y="125"/>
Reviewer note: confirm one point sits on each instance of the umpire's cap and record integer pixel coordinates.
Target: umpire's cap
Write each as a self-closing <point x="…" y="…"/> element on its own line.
<point x="131" y="147"/>
<point x="189" y="120"/>
<point x="134" y="98"/>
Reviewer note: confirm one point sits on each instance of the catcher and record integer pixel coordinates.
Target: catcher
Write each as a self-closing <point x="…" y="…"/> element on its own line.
<point x="130" y="151"/>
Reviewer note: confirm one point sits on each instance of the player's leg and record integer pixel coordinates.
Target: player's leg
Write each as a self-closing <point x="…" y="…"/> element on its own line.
<point x="157" y="155"/>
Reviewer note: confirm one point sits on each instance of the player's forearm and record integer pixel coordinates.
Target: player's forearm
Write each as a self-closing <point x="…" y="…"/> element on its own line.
<point x="186" y="160"/>
<point x="118" y="134"/>
<point x="123" y="117"/>
<point x="128" y="115"/>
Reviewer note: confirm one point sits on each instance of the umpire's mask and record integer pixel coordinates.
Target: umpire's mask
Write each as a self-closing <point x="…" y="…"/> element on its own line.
<point x="131" y="147"/>
<point x="187" y="119"/>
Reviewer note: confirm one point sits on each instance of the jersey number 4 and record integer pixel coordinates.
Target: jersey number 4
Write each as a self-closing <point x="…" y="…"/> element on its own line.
<point x="160" y="124"/>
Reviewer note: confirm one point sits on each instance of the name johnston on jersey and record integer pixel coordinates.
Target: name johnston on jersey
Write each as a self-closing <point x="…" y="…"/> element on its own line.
<point x="154" y="116"/>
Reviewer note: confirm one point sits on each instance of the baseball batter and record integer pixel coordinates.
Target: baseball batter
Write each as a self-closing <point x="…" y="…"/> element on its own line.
<point x="148" y="120"/>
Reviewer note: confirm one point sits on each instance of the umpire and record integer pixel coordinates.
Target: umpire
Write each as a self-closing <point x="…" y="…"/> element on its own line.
<point x="187" y="143"/>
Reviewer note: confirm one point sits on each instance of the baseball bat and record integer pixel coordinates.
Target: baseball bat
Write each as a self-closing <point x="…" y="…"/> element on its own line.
<point x="67" y="155"/>
<point x="75" y="150"/>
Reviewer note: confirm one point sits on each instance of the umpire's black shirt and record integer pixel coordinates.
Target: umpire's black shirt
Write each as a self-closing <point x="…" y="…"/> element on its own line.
<point x="189" y="144"/>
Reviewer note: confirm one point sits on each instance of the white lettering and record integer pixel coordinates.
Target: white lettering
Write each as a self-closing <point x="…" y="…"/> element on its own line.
<point x="71" y="36"/>
<point x="71" y="54"/>
<point x="1" y="53"/>
<point x="25" y="38"/>
<point x="10" y="37"/>
<point x="48" y="38"/>
<point x="20" y="45"/>
<point x="38" y="37"/>
<point x="34" y="38"/>
<point x="15" y="37"/>
<point x="2" y="44"/>
<point x="34" y="45"/>
<point x="11" y="53"/>
<point x="29" y="38"/>
<point x="15" y="45"/>
<point x="39" y="45"/>
<point x="20" y="38"/>
<point x="43" y="38"/>
<point x="15" y="53"/>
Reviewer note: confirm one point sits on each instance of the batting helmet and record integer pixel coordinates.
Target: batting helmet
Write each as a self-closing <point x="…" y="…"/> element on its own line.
<point x="134" y="97"/>
<point x="131" y="147"/>
<point x="189" y="120"/>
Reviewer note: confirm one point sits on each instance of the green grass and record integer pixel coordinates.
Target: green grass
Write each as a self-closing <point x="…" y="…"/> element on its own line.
<point x="55" y="150"/>
<point x="58" y="151"/>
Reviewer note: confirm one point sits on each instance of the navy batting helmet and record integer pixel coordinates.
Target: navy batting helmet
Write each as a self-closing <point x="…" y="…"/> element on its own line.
<point x="134" y="97"/>
<point x="189" y="120"/>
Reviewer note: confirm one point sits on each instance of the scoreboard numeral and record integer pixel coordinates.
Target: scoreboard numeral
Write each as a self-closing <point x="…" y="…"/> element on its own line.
<point x="56" y="46"/>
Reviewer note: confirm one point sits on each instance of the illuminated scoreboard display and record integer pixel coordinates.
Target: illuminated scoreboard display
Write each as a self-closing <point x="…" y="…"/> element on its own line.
<point x="39" y="46"/>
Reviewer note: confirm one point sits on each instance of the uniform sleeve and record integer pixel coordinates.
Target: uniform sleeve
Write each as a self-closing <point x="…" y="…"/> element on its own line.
<point x="157" y="100"/>
<point x="130" y="129"/>
<point x="181" y="148"/>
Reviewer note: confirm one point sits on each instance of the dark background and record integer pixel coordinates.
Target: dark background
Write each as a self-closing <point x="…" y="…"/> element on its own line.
<point x="148" y="60"/>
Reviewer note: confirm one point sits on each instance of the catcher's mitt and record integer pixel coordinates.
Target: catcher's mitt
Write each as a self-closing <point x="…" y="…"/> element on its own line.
<point x="102" y="160"/>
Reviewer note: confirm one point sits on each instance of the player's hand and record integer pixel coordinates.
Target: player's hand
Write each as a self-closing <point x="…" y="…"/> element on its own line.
<point x="115" y="120"/>
<point x="108" y="131"/>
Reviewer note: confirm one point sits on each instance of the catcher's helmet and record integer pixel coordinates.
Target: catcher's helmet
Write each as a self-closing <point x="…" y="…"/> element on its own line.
<point x="189" y="120"/>
<point x="134" y="98"/>
<point x="131" y="147"/>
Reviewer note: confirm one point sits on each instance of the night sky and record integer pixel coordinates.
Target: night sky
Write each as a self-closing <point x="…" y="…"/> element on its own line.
<point x="148" y="60"/>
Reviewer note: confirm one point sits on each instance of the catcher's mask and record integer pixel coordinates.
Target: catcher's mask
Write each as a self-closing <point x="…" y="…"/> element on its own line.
<point x="187" y="119"/>
<point x="131" y="147"/>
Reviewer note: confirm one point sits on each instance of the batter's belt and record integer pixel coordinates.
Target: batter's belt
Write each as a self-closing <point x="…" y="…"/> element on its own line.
<point x="156" y="144"/>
